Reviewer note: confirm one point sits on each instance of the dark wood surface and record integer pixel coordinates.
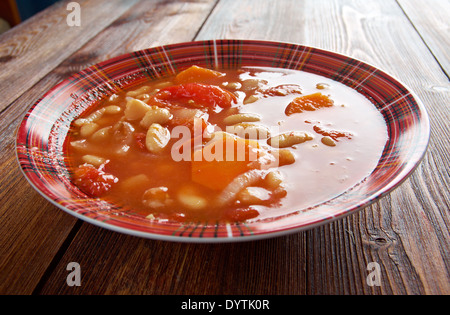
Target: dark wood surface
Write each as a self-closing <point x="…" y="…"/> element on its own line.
<point x="406" y="233"/>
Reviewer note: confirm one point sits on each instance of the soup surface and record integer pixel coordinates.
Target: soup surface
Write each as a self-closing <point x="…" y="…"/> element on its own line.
<point x="226" y="145"/>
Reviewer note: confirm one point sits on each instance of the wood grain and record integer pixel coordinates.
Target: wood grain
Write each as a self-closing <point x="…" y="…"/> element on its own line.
<point x="33" y="43"/>
<point x="132" y="31"/>
<point x="406" y="232"/>
<point x="364" y="30"/>
<point x="431" y="20"/>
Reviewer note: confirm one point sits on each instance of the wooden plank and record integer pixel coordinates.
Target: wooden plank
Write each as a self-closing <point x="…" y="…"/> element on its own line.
<point x="395" y="232"/>
<point x="406" y="223"/>
<point x="113" y="263"/>
<point x="132" y="31"/>
<point x="431" y="19"/>
<point x="29" y="51"/>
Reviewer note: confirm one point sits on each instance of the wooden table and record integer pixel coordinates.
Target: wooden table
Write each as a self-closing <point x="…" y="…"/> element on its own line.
<point x="406" y="234"/>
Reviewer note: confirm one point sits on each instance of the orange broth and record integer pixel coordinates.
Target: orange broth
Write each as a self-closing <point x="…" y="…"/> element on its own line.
<point x="226" y="145"/>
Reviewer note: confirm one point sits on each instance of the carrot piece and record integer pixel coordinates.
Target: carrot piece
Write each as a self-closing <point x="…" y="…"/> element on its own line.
<point x="219" y="162"/>
<point x="196" y="74"/>
<point x="308" y="103"/>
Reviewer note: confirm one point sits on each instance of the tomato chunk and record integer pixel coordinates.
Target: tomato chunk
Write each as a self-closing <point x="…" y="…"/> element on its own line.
<point x="93" y="181"/>
<point x="240" y="215"/>
<point x="202" y="94"/>
<point x="308" y="103"/>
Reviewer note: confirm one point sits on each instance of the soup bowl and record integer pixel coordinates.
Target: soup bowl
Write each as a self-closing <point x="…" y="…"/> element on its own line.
<point x="41" y="151"/>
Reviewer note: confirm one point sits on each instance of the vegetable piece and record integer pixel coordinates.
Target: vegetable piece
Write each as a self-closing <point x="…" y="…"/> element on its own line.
<point x="308" y="103"/>
<point x="156" y="115"/>
<point x="282" y="90"/>
<point x="196" y="74"/>
<point x="240" y="215"/>
<point x="191" y="198"/>
<point x="156" y="197"/>
<point x="240" y="118"/>
<point x="136" y="109"/>
<point x="204" y="95"/>
<point x="221" y="160"/>
<point x="333" y="134"/>
<point x="95" y="182"/>
<point x="254" y="196"/>
<point x="288" y="139"/>
<point x="157" y="138"/>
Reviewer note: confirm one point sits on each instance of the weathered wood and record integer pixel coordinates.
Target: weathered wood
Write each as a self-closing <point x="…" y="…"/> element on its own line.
<point x="379" y="33"/>
<point x="406" y="233"/>
<point x="38" y="41"/>
<point x="132" y="31"/>
<point x="431" y="20"/>
<point x="127" y="265"/>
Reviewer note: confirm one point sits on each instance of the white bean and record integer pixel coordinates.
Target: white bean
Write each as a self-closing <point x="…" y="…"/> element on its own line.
<point x="156" y="115"/>
<point x="88" y="129"/>
<point x="93" y="159"/>
<point x="157" y="138"/>
<point x="136" y="109"/>
<point x="289" y="139"/>
<point x="273" y="179"/>
<point x="91" y="118"/>
<point x="328" y="141"/>
<point x="191" y="198"/>
<point x="139" y="91"/>
<point x="112" y="109"/>
<point x="102" y="134"/>
<point x="250" y="99"/>
<point x="249" y="131"/>
<point x="240" y="118"/>
<point x="253" y="196"/>
<point x="156" y="197"/>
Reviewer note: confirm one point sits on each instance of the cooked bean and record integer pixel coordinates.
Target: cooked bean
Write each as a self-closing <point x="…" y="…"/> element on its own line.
<point x="328" y="141"/>
<point x="156" y="197"/>
<point x="136" y="109"/>
<point x="157" y="138"/>
<point x="240" y="118"/>
<point x="322" y="86"/>
<point x="273" y="179"/>
<point x="112" y="109"/>
<point x="156" y="115"/>
<point x="241" y="182"/>
<point x="139" y="91"/>
<point x="88" y="129"/>
<point x="191" y="198"/>
<point x="93" y="160"/>
<point x="233" y="85"/>
<point x="253" y="196"/>
<point x="79" y="144"/>
<point x="252" y="84"/>
<point x="91" y="118"/>
<point x="162" y="85"/>
<point x="250" y="99"/>
<point x="289" y="139"/>
<point x="123" y="132"/>
<point x="285" y="157"/>
<point x="135" y="182"/>
<point x="249" y="131"/>
<point x="102" y="134"/>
